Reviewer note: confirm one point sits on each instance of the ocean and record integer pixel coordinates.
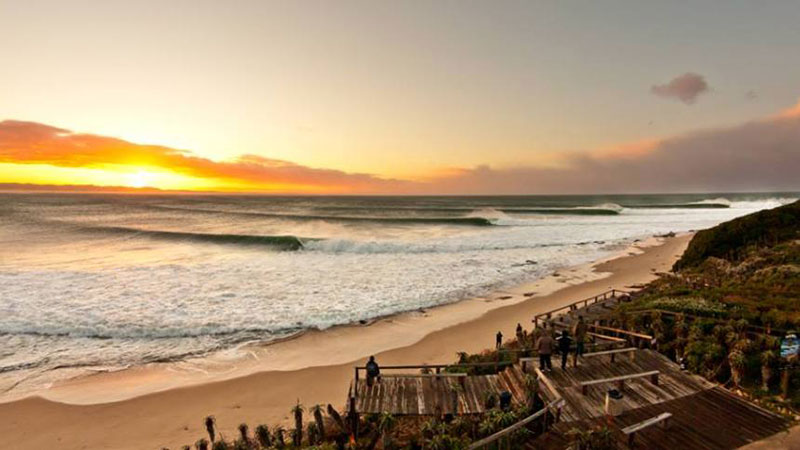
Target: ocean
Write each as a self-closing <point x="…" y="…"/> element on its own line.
<point x="92" y="282"/>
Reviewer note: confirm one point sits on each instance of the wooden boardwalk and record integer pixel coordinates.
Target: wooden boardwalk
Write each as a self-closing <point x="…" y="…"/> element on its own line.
<point x="672" y="383"/>
<point x="712" y="419"/>
<point x="420" y="396"/>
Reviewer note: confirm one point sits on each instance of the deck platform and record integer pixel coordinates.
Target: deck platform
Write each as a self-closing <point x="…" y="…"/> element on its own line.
<point x="709" y="419"/>
<point x="421" y="396"/>
<point x="640" y="392"/>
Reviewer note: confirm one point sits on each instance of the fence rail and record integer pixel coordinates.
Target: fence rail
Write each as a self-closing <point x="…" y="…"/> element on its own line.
<point x="512" y="428"/>
<point x="603" y="296"/>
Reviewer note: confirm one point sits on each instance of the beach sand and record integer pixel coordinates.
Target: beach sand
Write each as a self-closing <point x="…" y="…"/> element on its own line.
<point x="164" y="405"/>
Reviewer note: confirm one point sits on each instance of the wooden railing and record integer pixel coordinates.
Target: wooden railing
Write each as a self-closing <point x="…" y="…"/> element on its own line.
<point x="601" y="297"/>
<point x="557" y="404"/>
<point x="435" y="368"/>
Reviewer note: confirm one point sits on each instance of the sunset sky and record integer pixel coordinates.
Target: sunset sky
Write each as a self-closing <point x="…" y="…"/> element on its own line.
<point x="401" y="97"/>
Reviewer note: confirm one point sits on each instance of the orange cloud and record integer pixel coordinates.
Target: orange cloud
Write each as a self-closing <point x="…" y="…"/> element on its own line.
<point x="34" y="143"/>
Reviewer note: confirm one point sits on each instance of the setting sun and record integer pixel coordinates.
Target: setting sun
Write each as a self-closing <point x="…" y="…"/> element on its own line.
<point x="139" y="179"/>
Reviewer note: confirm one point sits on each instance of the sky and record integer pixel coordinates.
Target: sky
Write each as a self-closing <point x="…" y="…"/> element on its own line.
<point x="401" y="97"/>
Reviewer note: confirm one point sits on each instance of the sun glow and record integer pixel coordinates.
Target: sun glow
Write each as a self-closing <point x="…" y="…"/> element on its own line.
<point x="140" y="179"/>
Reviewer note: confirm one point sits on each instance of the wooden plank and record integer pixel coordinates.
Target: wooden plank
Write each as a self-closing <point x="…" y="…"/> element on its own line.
<point x="620" y="331"/>
<point x="611" y="352"/>
<point x="506" y="431"/>
<point x="605" y="338"/>
<point x="426" y="375"/>
<point x="649" y="422"/>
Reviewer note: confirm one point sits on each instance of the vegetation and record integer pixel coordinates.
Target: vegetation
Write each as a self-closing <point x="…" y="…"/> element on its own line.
<point x="733" y="295"/>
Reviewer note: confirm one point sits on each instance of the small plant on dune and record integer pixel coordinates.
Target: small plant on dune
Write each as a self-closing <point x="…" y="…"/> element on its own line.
<point x="313" y="434"/>
<point x="280" y="440"/>
<point x="768" y="358"/>
<point x="243" y="429"/>
<point x="298" y="424"/>
<point x="210" y="422"/>
<point x="263" y="437"/>
<point x="737" y="361"/>
<point x="202" y="444"/>
<point x="317" y="412"/>
<point x="220" y="445"/>
<point x="386" y="424"/>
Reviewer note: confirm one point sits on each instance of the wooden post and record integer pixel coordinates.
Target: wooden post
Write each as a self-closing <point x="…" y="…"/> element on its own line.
<point x="785" y="382"/>
<point x="355" y="384"/>
<point x="353" y="417"/>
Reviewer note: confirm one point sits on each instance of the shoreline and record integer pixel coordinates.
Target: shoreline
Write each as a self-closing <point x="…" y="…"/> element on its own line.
<point x="158" y="406"/>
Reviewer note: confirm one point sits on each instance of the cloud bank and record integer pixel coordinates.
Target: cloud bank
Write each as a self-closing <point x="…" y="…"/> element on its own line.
<point x="685" y="88"/>
<point x="761" y="155"/>
<point x="35" y="143"/>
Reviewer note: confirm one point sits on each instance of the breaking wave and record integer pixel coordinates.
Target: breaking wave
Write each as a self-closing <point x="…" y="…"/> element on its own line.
<point x="278" y="242"/>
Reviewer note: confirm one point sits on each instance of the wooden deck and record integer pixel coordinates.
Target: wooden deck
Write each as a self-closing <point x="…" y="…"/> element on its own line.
<point x="712" y="419"/>
<point x="420" y="396"/>
<point x="672" y="383"/>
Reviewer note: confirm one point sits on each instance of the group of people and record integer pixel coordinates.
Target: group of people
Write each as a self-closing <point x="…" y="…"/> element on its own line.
<point x="547" y="344"/>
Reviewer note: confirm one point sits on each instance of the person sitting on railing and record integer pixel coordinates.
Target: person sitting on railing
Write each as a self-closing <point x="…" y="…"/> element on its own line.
<point x="373" y="371"/>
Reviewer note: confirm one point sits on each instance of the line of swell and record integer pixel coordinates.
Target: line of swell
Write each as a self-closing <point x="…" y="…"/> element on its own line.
<point x="465" y="221"/>
<point x="287" y="242"/>
<point x="683" y="206"/>
<point x="549" y="210"/>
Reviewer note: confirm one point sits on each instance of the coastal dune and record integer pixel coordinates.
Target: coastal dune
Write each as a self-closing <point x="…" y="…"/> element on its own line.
<point x="155" y="407"/>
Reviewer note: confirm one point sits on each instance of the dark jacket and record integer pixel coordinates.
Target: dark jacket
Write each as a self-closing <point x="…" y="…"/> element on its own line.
<point x="564" y="342"/>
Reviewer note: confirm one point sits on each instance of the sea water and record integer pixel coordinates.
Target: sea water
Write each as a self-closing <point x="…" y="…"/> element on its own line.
<point x="102" y="282"/>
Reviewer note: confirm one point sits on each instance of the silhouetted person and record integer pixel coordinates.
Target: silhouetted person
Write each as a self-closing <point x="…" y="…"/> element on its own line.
<point x="373" y="371"/>
<point x="498" y="340"/>
<point x="564" y="343"/>
<point x="544" y="346"/>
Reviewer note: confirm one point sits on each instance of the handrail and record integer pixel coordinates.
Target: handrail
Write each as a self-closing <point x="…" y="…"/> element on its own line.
<point x="586" y="302"/>
<point x="620" y="331"/>
<point x="436" y="367"/>
<point x="514" y="427"/>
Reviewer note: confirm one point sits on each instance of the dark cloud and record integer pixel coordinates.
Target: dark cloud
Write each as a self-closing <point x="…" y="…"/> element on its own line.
<point x="756" y="156"/>
<point x="685" y="88"/>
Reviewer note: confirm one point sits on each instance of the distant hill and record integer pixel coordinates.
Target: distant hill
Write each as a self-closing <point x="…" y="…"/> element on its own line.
<point x="734" y="239"/>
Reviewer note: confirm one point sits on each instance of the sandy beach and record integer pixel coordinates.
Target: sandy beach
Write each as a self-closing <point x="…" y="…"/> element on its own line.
<point x="163" y="405"/>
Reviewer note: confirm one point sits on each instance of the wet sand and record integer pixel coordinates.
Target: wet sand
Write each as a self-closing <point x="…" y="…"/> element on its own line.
<point x="164" y="405"/>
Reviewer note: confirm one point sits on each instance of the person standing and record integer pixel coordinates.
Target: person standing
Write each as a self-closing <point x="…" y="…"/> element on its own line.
<point x="498" y="340"/>
<point x="564" y="344"/>
<point x="544" y="346"/>
<point x="373" y="371"/>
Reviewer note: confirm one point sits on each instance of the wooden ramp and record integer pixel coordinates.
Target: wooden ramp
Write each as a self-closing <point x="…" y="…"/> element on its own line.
<point x="640" y="392"/>
<point x="420" y="396"/>
<point x="709" y="419"/>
